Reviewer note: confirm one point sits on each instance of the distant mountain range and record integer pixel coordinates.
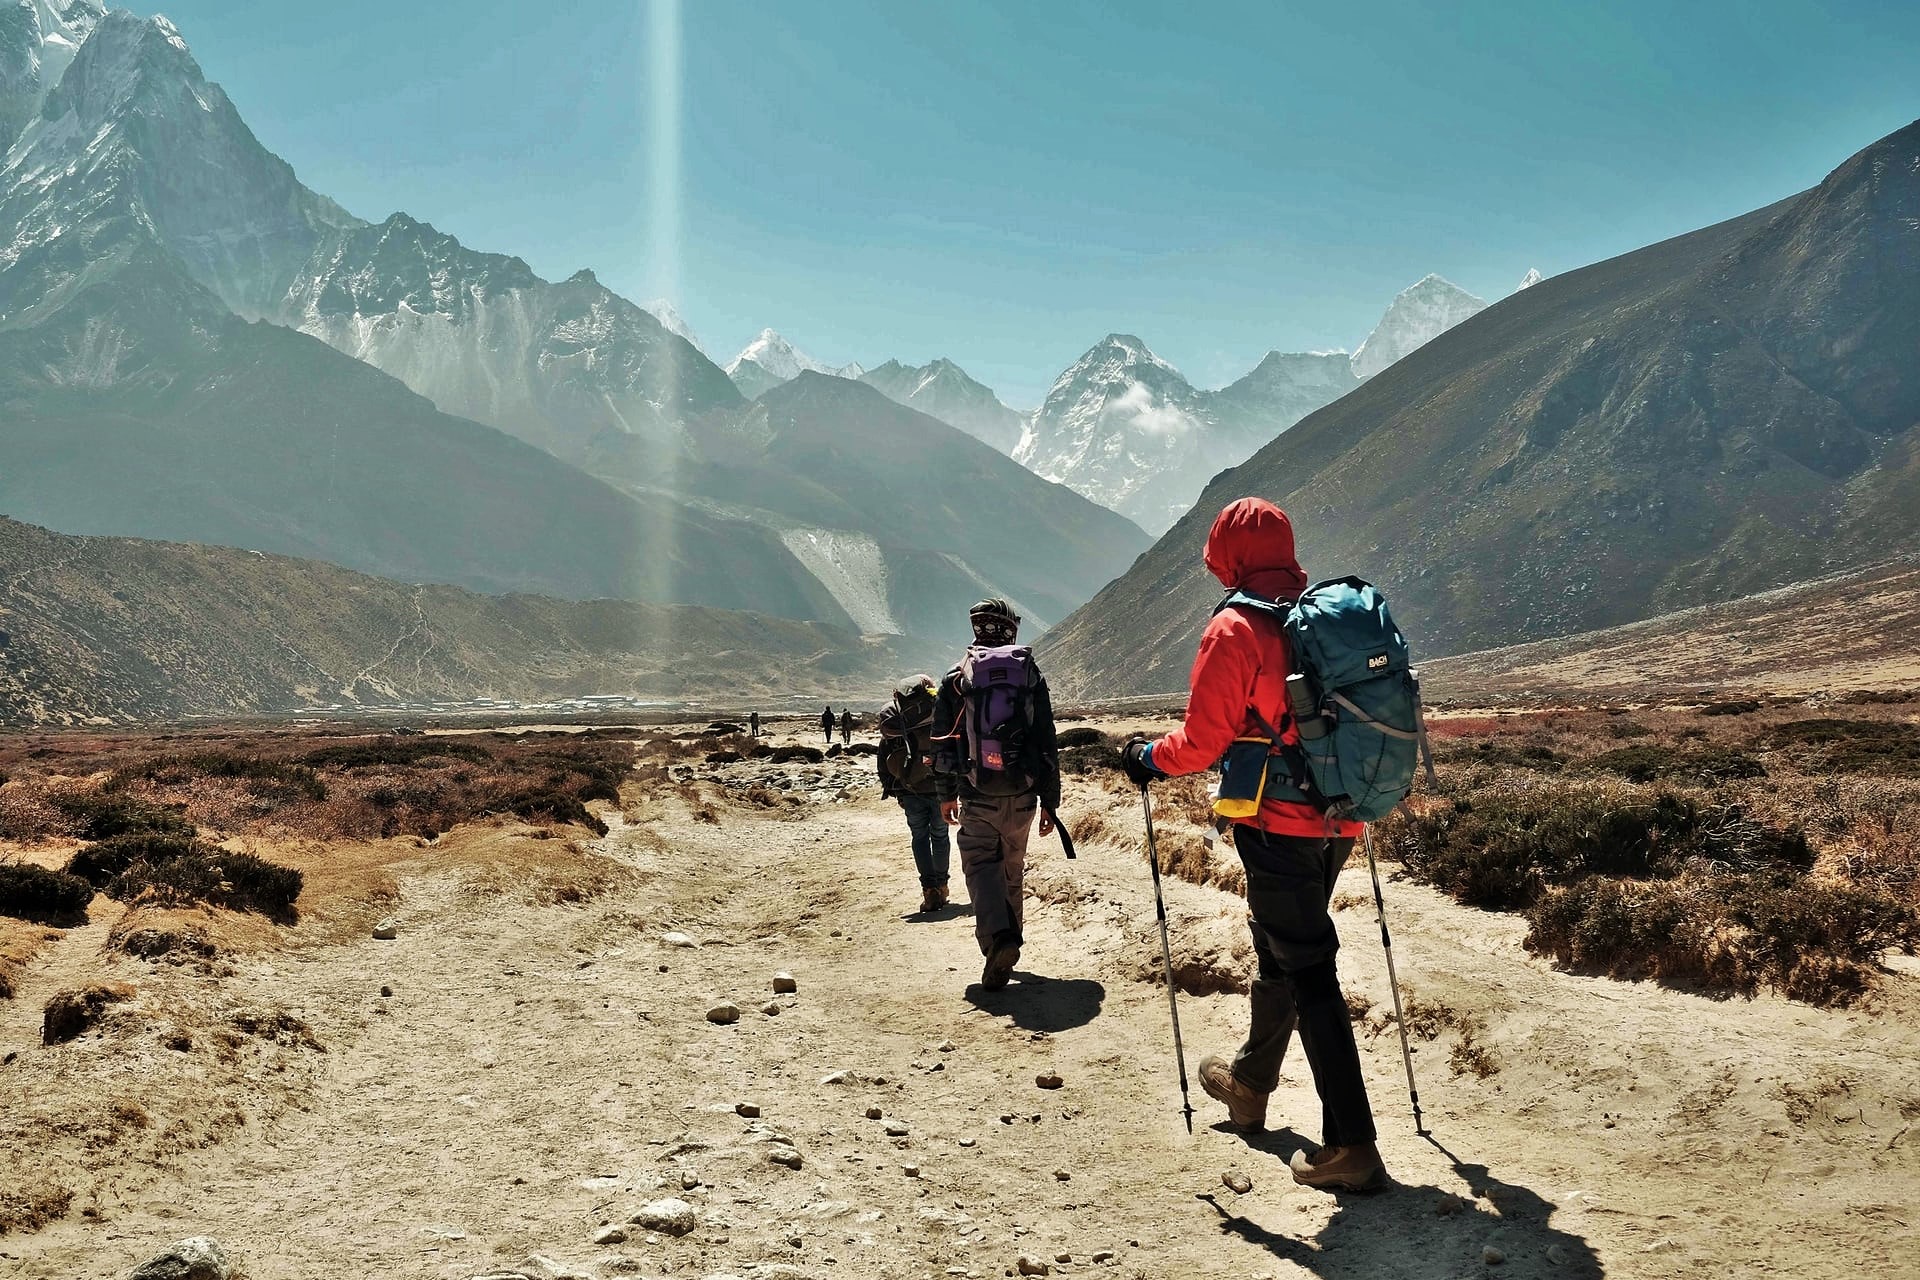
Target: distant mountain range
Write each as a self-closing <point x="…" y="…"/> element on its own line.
<point x="160" y="273"/>
<point x="97" y="630"/>
<point x="1718" y="414"/>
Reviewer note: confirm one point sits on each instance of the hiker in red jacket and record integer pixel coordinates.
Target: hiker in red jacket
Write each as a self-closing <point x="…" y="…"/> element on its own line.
<point x="1291" y="850"/>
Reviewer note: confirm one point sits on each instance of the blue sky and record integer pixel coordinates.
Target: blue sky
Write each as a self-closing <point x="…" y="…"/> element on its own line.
<point x="1004" y="183"/>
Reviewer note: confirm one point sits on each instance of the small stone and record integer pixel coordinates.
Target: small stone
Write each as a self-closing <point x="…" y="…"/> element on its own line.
<point x="785" y="1156"/>
<point x="1048" y="1080"/>
<point x="1063" y="1256"/>
<point x="1029" y="1265"/>
<point x="1062" y="1175"/>
<point x="1006" y="1119"/>
<point x="1492" y="1256"/>
<point x="689" y="1180"/>
<point x="610" y="1235"/>
<point x="387" y="930"/>
<point x="195" y="1258"/>
<point x="966" y="1142"/>
<point x="911" y="1170"/>
<point x="1236" y="1182"/>
<point x="751" y="1110"/>
<point x="675" y="938"/>
<point x="946" y="1046"/>
<point x="784" y="984"/>
<point x="1448" y="1204"/>
<point x="724" y="1013"/>
<point x="386" y="992"/>
<point x="670" y="1217"/>
<point x="838" y="1077"/>
<point x="874" y="1113"/>
<point x="938" y="1066"/>
<point x="771" y="1009"/>
<point x="1104" y="1255"/>
<point x="895" y="1129"/>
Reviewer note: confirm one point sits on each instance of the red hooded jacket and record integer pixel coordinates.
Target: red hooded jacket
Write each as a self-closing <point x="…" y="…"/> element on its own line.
<point x="1242" y="661"/>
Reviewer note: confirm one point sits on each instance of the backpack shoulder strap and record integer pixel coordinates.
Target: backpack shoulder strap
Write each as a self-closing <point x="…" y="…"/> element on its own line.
<point x="1259" y="604"/>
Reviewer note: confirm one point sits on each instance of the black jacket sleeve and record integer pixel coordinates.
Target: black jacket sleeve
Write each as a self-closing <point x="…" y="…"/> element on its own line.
<point x="949" y="749"/>
<point x="1045" y="748"/>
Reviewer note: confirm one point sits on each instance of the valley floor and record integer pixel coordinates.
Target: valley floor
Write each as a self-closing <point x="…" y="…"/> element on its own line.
<point x="543" y="1068"/>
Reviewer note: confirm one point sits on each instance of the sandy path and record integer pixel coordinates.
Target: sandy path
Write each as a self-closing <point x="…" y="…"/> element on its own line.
<point x="536" y="1074"/>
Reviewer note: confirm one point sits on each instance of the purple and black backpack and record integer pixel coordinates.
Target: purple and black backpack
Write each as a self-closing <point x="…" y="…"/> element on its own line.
<point x="997" y="684"/>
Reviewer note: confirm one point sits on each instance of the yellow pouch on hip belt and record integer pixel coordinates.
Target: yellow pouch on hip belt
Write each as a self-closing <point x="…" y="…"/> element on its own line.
<point x="1243" y="777"/>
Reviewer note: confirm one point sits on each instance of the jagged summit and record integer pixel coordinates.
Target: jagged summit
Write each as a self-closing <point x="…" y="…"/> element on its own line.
<point x="38" y="41"/>
<point x="1422" y="312"/>
<point x="663" y="310"/>
<point x="942" y="389"/>
<point x="775" y="356"/>
<point x="1532" y="278"/>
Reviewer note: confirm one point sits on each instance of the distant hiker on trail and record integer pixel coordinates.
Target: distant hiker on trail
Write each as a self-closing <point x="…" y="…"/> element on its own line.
<point x="753" y="725"/>
<point x="826" y="724"/>
<point x="996" y="765"/>
<point x="1291" y="850"/>
<point x="906" y="774"/>
<point x="846" y="727"/>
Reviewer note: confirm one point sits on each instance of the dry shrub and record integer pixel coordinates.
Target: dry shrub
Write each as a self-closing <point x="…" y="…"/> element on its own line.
<point x="29" y="892"/>
<point x="1883" y="748"/>
<point x="70" y="1013"/>
<point x="27" y="815"/>
<point x="215" y="877"/>
<point x="33" y="1207"/>
<point x="1705" y="766"/>
<point x="102" y="863"/>
<point x="1723" y="932"/>
<point x="101" y="814"/>
<point x="1502" y="849"/>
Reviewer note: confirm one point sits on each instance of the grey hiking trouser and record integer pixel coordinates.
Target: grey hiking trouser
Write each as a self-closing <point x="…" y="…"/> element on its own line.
<point x="1289" y="884"/>
<point x="993" y="857"/>
<point x="931" y="852"/>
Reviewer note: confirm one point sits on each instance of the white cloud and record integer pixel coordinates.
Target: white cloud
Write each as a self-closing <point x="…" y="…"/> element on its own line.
<point x="1136" y="405"/>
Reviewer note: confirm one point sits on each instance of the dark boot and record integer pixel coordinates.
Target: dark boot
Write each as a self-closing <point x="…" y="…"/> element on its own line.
<point x="1001" y="957"/>
<point x="1354" y="1168"/>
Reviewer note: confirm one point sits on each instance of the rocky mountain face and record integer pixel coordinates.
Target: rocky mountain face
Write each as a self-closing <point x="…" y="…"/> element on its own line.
<point x="556" y="364"/>
<point x="1128" y="430"/>
<point x="770" y="360"/>
<point x="163" y="271"/>
<point x="115" y="629"/>
<point x="1418" y="315"/>
<point x="38" y="40"/>
<point x="1725" y="412"/>
<point x="139" y="403"/>
<point x="906" y="520"/>
<point x="942" y="389"/>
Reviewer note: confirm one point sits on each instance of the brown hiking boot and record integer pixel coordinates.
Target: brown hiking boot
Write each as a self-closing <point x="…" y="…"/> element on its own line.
<point x="938" y="896"/>
<point x="1004" y="954"/>
<point x="1245" y="1108"/>
<point x="1354" y="1168"/>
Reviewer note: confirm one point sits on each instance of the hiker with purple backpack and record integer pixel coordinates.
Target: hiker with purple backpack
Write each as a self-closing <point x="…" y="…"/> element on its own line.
<point x="996" y="767"/>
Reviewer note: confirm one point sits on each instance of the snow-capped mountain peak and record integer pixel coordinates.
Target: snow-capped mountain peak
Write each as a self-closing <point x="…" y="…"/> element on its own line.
<point x="1422" y="312"/>
<point x="1532" y="278"/>
<point x="775" y="356"/>
<point x="669" y="316"/>
<point x="38" y="41"/>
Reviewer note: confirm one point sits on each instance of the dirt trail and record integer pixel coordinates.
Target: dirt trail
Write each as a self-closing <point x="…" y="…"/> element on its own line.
<point x="540" y="1071"/>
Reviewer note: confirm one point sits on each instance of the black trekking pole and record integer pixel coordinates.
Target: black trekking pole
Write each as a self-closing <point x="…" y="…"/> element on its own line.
<point x="1166" y="956"/>
<point x="1393" y="983"/>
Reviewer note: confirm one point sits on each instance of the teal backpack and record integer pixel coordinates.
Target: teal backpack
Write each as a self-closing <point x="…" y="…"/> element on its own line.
<point x="1355" y="697"/>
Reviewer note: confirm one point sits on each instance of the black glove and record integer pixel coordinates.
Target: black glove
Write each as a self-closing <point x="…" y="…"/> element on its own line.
<point x="1133" y="758"/>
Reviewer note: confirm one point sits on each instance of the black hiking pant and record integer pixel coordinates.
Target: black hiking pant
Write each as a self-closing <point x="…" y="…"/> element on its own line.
<point x="1289" y="884"/>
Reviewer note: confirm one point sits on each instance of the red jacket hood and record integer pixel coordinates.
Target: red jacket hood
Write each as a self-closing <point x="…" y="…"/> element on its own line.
<point x="1251" y="549"/>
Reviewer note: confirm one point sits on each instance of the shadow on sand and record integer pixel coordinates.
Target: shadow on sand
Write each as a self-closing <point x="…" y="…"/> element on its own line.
<point x="1403" y="1231"/>
<point x="1036" y="1002"/>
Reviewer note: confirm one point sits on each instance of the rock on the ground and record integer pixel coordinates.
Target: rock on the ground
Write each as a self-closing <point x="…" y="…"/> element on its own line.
<point x="670" y="1217"/>
<point x="896" y="1129"/>
<point x="70" y="1013"/>
<point x="911" y="1170"/>
<point x="837" y="1077"/>
<point x="1048" y="1080"/>
<point x="771" y="1008"/>
<point x="1236" y="1182"/>
<point x="387" y="930"/>
<point x="674" y="938"/>
<point x="724" y="1013"/>
<point x="1061" y="1175"/>
<point x="874" y="1113"/>
<point x="1029" y="1265"/>
<point x="785" y="1156"/>
<point x="1103" y="1255"/>
<point x="784" y="984"/>
<point x="610" y="1235"/>
<point x="1492" y="1256"/>
<point x="195" y="1258"/>
<point x="748" y="1109"/>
